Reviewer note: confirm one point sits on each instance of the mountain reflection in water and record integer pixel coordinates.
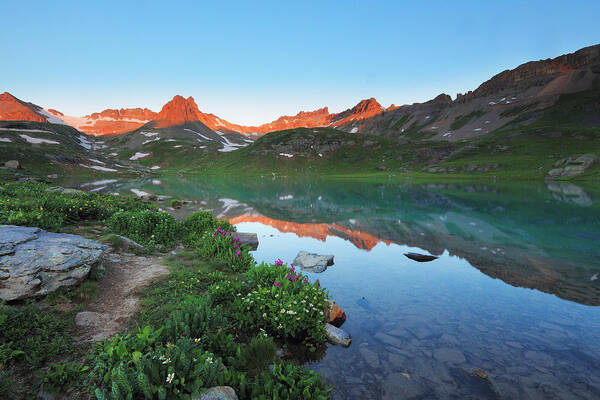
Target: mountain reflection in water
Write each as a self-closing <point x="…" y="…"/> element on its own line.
<point x="419" y="329"/>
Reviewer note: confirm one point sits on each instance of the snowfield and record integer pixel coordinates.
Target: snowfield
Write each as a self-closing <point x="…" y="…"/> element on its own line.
<point x="138" y="155"/>
<point x="33" y="140"/>
<point x="98" y="168"/>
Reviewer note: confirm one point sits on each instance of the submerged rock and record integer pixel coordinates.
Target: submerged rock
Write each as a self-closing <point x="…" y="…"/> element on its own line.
<point x="218" y="393"/>
<point x="34" y="262"/>
<point x="337" y="336"/>
<point x="313" y="262"/>
<point x="420" y="257"/>
<point x="249" y="239"/>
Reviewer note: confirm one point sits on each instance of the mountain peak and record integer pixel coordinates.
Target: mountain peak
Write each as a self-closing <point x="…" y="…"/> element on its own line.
<point x="13" y="109"/>
<point x="178" y="111"/>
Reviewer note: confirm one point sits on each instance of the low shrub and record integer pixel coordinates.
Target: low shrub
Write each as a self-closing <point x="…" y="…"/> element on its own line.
<point x="224" y="246"/>
<point x="195" y="225"/>
<point x="286" y="381"/>
<point x="137" y="366"/>
<point x="59" y="377"/>
<point x="30" y="204"/>
<point x="283" y="303"/>
<point x="33" y="334"/>
<point x="151" y="229"/>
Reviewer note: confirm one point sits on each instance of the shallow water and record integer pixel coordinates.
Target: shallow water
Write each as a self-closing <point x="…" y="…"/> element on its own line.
<point x="515" y="290"/>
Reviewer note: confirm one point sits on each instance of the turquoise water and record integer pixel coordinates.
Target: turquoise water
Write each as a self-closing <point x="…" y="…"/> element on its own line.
<point x="515" y="290"/>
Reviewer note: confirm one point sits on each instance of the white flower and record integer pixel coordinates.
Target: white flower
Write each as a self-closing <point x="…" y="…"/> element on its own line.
<point x="264" y="315"/>
<point x="168" y="360"/>
<point x="170" y="377"/>
<point x="209" y="360"/>
<point x="197" y="340"/>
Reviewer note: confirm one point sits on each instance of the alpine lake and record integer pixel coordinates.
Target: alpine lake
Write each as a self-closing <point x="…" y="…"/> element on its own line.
<point x="510" y="309"/>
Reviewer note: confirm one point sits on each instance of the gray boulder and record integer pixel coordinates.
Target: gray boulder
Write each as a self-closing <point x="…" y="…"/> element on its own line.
<point x="337" y="336"/>
<point x="312" y="262"/>
<point x="128" y="244"/>
<point x="218" y="393"/>
<point x="13" y="164"/>
<point x="34" y="262"/>
<point x="249" y="239"/>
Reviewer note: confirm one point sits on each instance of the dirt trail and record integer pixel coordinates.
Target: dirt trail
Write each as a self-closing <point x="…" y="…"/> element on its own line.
<point x="116" y="302"/>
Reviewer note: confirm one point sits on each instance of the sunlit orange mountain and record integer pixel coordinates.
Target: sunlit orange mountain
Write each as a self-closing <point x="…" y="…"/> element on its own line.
<point x="178" y="111"/>
<point x="320" y="232"/>
<point x="13" y="109"/>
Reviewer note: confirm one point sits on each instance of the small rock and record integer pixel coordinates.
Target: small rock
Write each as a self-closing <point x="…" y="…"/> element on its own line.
<point x="86" y="318"/>
<point x="218" y="393"/>
<point x="420" y="257"/>
<point x="128" y="244"/>
<point x="14" y="164"/>
<point x="313" y="262"/>
<point x="335" y="315"/>
<point x="337" y="336"/>
<point x="52" y="176"/>
<point x="249" y="239"/>
<point x="480" y="373"/>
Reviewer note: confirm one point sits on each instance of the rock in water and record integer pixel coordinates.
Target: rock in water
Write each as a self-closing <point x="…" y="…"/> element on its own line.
<point x="337" y="336"/>
<point x="218" y="393"/>
<point x="335" y="315"/>
<point x="249" y="239"/>
<point x="34" y="262"/>
<point x="420" y="257"/>
<point x="313" y="262"/>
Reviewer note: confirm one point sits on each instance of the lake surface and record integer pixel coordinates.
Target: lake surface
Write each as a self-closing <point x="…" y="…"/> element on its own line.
<point x="515" y="291"/>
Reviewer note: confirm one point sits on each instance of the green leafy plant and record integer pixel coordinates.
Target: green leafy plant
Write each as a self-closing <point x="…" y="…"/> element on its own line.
<point x="151" y="229"/>
<point x="59" y="377"/>
<point x="195" y="225"/>
<point x="225" y="246"/>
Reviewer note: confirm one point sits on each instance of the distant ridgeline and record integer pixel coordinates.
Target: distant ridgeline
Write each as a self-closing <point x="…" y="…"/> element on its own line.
<point x="539" y="120"/>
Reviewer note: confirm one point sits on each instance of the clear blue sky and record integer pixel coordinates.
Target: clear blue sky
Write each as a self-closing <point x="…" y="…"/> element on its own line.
<point x="252" y="61"/>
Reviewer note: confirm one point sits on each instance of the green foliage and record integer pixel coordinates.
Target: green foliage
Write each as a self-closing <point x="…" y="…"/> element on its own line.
<point x="175" y="203"/>
<point x="224" y="246"/>
<point x="257" y="355"/>
<point x="59" y="377"/>
<point x="10" y="389"/>
<point x="284" y="304"/>
<point x="195" y="317"/>
<point x="137" y="366"/>
<point x="286" y="381"/>
<point x="151" y="229"/>
<point x="34" y="334"/>
<point x="195" y="225"/>
<point x="29" y="204"/>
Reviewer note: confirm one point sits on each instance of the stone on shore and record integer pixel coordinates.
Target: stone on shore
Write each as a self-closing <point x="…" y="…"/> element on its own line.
<point x="218" y="393"/>
<point x="312" y="262"/>
<point x="13" y="164"/>
<point x="34" y="262"/>
<point x="249" y="239"/>
<point x="337" y="336"/>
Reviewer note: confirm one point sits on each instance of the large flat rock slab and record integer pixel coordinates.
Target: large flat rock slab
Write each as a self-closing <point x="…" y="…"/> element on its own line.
<point x="312" y="262"/>
<point x="249" y="239"/>
<point x="34" y="262"/>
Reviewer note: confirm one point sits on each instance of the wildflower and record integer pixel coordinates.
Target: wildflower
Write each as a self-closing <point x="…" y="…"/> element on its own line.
<point x="170" y="377"/>
<point x="166" y="361"/>
<point x="264" y="315"/>
<point x="279" y="262"/>
<point x="197" y="340"/>
<point x="318" y="283"/>
<point x="276" y="283"/>
<point x="292" y="268"/>
<point x="209" y="360"/>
